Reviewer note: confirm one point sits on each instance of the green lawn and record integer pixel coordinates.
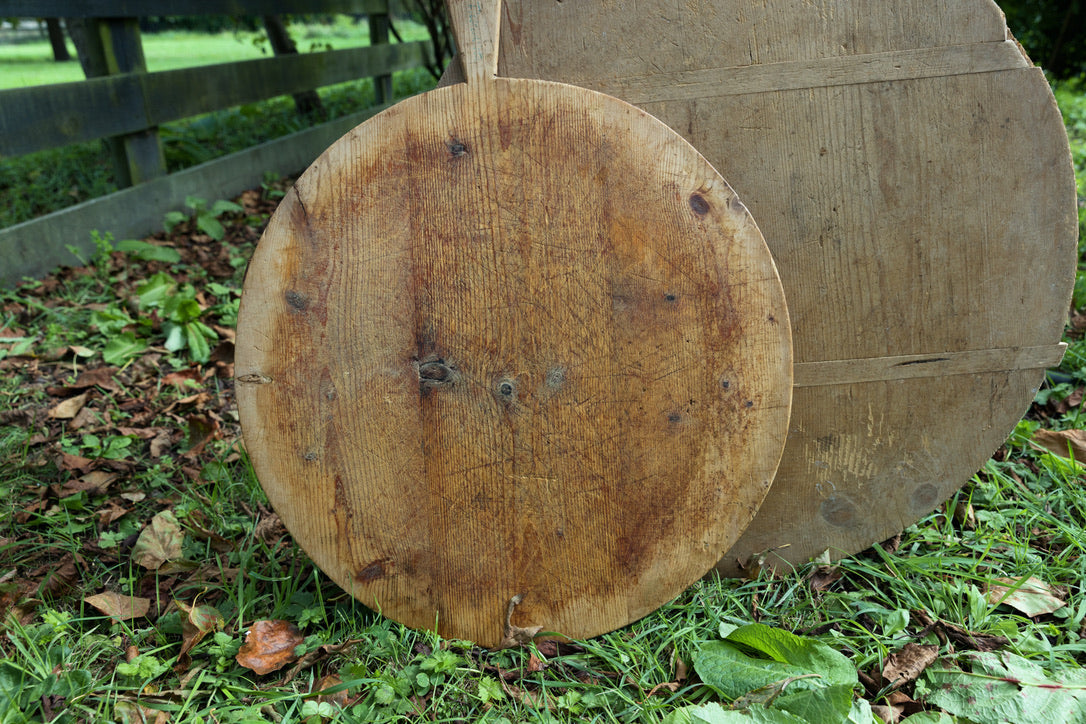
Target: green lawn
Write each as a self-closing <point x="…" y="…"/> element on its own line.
<point x="31" y="63"/>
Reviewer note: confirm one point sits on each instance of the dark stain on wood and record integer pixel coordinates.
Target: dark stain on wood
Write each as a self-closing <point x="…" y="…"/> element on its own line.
<point x="296" y="300"/>
<point x="456" y="148"/>
<point x="375" y="570"/>
<point x="699" y="205"/>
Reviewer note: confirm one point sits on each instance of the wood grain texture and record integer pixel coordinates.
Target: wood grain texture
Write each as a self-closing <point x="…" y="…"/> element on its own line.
<point x="911" y="175"/>
<point x="513" y="338"/>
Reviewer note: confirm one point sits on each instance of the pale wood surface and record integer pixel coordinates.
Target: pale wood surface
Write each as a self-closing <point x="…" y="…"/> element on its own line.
<point x="911" y="175"/>
<point x="513" y="339"/>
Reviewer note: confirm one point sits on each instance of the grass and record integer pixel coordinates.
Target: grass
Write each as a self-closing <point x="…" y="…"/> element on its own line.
<point x="27" y="59"/>
<point x="42" y="182"/>
<point x="88" y="487"/>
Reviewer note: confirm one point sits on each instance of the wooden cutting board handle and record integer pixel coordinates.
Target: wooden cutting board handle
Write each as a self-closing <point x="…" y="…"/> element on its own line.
<point x="475" y="28"/>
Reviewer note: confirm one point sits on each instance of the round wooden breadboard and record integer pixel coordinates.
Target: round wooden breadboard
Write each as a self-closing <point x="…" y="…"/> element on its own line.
<point x="911" y="175"/>
<point x="513" y="341"/>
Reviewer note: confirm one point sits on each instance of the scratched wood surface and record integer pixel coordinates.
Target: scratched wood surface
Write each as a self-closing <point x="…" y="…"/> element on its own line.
<point x="911" y="175"/>
<point x="513" y="339"/>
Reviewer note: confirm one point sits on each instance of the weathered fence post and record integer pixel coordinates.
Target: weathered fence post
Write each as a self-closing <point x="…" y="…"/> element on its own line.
<point x="379" y="25"/>
<point x="112" y="46"/>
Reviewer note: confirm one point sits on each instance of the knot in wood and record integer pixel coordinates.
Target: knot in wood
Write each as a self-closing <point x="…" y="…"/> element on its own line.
<point x="436" y="373"/>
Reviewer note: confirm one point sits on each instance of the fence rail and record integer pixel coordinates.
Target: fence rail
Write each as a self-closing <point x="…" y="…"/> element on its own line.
<point x="40" y="117"/>
<point x="127" y="105"/>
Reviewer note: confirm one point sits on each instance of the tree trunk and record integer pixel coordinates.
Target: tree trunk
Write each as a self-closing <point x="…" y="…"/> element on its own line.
<point x="56" y="39"/>
<point x="307" y="102"/>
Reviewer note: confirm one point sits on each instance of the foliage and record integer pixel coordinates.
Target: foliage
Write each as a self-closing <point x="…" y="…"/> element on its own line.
<point x="38" y="183"/>
<point x="1053" y="32"/>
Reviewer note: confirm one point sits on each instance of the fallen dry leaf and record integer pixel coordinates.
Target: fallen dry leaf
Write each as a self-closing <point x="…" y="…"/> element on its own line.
<point x="822" y="577"/>
<point x="76" y="463"/>
<point x="1031" y="596"/>
<point x="67" y="409"/>
<point x="269" y="646"/>
<point x="338" y="698"/>
<point x="516" y="635"/>
<point x="98" y="377"/>
<point x="904" y="666"/>
<point x="182" y="378"/>
<point x="1063" y="442"/>
<point x="316" y="656"/>
<point x="159" y="542"/>
<point x="960" y="637"/>
<point x="58" y="577"/>
<point x="535" y="664"/>
<point x="202" y="430"/>
<point x="118" y="606"/>
<point x="196" y="623"/>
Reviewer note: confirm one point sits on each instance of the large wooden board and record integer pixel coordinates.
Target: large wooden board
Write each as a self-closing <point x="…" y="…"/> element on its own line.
<point x="513" y="342"/>
<point x="910" y="172"/>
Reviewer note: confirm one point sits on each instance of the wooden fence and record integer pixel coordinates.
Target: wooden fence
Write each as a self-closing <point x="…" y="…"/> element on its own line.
<point x="128" y="104"/>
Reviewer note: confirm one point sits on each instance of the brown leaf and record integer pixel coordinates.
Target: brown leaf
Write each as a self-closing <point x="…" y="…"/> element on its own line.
<point x="197" y="526"/>
<point x="75" y="462"/>
<point x="905" y="665"/>
<point x="269" y="646"/>
<point x="823" y="577"/>
<point x="314" y="657"/>
<point x="339" y="698"/>
<point x="270" y="529"/>
<point x="535" y="664"/>
<point x="67" y="409"/>
<point x="1061" y="441"/>
<point x="1030" y="596"/>
<point x="196" y="623"/>
<point x="110" y="514"/>
<point x="98" y="377"/>
<point x="886" y="714"/>
<point x="202" y="430"/>
<point x="516" y="635"/>
<point x="960" y="637"/>
<point x="119" y="606"/>
<point x="95" y="483"/>
<point x="159" y="542"/>
<point x="13" y="600"/>
<point x="86" y="416"/>
<point x="160" y="444"/>
<point x="58" y="577"/>
<point x="964" y="515"/>
<point x="183" y="378"/>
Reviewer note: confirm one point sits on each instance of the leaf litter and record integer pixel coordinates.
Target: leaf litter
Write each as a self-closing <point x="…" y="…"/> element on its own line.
<point x="105" y="425"/>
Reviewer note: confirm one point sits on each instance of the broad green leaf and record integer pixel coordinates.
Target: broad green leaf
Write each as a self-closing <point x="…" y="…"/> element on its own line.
<point x="149" y="252"/>
<point x="175" y="337"/>
<point x="716" y="714"/>
<point x="732" y="673"/>
<point x="210" y="225"/>
<point x="110" y="320"/>
<point x="197" y="342"/>
<point x="1008" y="688"/>
<point x="824" y="704"/>
<point x="861" y="713"/>
<point x="929" y="717"/>
<point x="809" y="654"/>
<point x="897" y="620"/>
<point x="172" y="219"/>
<point x="155" y="290"/>
<point x="223" y="206"/>
<point x="182" y="307"/>
<point x="123" y="347"/>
